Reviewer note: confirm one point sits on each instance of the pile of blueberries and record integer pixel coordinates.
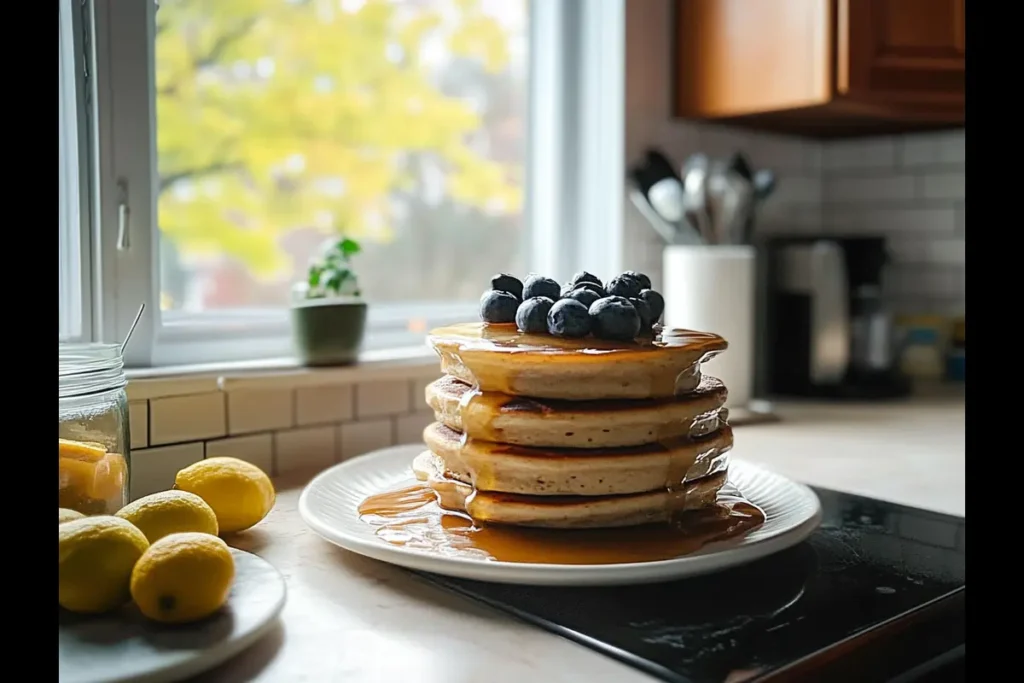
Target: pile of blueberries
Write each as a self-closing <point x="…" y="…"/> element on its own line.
<point x="622" y="309"/>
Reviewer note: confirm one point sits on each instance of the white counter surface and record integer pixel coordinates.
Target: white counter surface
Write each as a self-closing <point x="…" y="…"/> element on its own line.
<point x="359" y="621"/>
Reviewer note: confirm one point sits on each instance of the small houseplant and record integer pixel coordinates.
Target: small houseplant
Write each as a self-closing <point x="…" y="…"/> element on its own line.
<point x="328" y="313"/>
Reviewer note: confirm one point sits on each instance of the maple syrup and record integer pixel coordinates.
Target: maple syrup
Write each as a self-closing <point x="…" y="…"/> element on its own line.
<point x="411" y="517"/>
<point x="502" y="359"/>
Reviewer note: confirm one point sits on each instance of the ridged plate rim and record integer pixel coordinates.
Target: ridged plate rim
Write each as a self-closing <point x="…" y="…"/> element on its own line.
<point x="328" y="507"/>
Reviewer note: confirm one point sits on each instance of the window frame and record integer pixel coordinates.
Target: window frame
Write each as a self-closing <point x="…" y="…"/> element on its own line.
<point x="75" y="176"/>
<point x="575" y="177"/>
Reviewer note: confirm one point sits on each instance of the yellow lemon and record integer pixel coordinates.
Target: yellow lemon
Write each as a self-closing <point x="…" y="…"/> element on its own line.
<point x="183" y="577"/>
<point x="97" y="555"/>
<point x="69" y="515"/>
<point x="170" y="512"/>
<point x="240" y="493"/>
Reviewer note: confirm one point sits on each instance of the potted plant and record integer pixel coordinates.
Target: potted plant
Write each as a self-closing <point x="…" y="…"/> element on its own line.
<point x="328" y="312"/>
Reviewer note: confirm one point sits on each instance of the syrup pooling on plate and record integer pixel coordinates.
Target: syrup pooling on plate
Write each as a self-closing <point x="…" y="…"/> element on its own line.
<point x="411" y="517"/>
<point x="502" y="359"/>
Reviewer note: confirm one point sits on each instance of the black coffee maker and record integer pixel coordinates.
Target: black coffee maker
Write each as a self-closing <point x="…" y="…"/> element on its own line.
<point x="824" y="328"/>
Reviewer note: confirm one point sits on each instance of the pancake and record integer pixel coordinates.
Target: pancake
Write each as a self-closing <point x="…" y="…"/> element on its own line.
<point x="573" y="512"/>
<point x="503" y="468"/>
<point x="498" y="358"/>
<point x="524" y="421"/>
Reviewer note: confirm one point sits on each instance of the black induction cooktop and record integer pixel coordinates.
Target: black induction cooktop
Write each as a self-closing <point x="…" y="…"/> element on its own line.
<point x="877" y="593"/>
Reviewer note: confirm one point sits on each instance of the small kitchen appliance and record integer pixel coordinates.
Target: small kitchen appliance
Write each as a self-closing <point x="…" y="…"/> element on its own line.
<point x="824" y="328"/>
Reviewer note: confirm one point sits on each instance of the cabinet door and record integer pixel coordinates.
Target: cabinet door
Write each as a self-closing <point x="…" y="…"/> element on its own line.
<point x="901" y="51"/>
<point x="738" y="57"/>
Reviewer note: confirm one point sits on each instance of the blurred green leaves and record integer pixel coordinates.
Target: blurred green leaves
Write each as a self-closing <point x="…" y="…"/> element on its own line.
<point x="275" y="115"/>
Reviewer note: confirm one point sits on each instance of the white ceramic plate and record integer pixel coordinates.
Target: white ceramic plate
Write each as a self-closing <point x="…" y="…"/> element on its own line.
<point x="124" y="647"/>
<point x="329" y="506"/>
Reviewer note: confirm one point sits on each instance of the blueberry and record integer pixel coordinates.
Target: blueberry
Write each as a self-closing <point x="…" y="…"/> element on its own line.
<point x="498" y="307"/>
<point x="614" y="318"/>
<point x="584" y="295"/>
<point x="507" y="283"/>
<point x="584" y="276"/>
<point x="625" y="286"/>
<point x="541" y="286"/>
<point x="569" y="318"/>
<point x="644" y="311"/>
<point x="598" y="289"/>
<point x="532" y="315"/>
<point x="655" y="301"/>
<point x="645" y="282"/>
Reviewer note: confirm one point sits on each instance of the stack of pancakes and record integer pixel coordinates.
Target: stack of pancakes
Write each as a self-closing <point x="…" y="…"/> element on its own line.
<point x="537" y="431"/>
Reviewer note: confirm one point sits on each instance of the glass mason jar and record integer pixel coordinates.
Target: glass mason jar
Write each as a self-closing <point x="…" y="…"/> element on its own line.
<point x="94" y="437"/>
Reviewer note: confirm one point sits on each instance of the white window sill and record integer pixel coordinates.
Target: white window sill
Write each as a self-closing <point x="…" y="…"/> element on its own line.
<point x="279" y="373"/>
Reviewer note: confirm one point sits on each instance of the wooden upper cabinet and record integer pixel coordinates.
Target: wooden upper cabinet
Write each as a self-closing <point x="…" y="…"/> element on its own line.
<point x="822" y="67"/>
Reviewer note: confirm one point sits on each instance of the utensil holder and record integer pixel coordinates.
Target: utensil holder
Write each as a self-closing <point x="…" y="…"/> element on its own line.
<point x="711" y="288"/>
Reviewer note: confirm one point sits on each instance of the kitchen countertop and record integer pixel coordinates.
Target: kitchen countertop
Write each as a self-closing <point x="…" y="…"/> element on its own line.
<point x="352" y="619"/>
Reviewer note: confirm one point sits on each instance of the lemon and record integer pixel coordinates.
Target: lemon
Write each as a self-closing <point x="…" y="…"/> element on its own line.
<point x="183" y="577"/>
<point x="69" y="515"/>
<point x="240" y="493"/>
<point x="170" y="512"/>
<point x="97" y="555"/>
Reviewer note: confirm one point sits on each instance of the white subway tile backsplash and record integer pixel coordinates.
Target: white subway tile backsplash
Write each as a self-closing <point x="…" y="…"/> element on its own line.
<point x="918" y="249"/>
<point x="796" y="189"/>
<point x="154" y="469"/>
<point x="814" y="156"/>
<point x="357" y="438"/>
<point x="177" y="419"/>
<point x="374" y="399"/>
<point x="304" y="448"/>
<point x="419" y="392"/>
<point x="259" y="410"/>
<point x="320" y="405"/>
<point x="860" y="154"/>
<point x="862" y="219"/>
<point x="869" y="188"/>
<point x="409" y="428"/>
<point x="778" y="152"/>
<point x="926" y="280"/>
<point x="911" y="190"/>
<point x="138" y="423"/>
<point x="929" y="149"/>
<point x="255" y="448"/>
<point x="944" y="185"/>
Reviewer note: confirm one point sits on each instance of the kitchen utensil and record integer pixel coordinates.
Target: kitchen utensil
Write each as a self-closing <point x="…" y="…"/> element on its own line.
<point x="659" y="195"/>
<point x="764" y="184"/>
<point x="329" y="505"/>
<point x="127" y="337"/>
<point x="738" y="164"/>
<point x="695" y="178"/>
<point x="672" y="234"/>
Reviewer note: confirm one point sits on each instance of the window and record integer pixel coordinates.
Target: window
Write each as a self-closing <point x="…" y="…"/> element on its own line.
<point x="73" y="260"/>
<point x="452" y="138"/>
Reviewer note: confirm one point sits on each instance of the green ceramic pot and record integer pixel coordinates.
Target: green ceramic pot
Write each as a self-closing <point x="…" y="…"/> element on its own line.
<point x="328" y="331"/>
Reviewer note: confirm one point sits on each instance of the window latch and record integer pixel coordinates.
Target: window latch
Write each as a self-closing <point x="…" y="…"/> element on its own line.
<point x="123" y="217"/>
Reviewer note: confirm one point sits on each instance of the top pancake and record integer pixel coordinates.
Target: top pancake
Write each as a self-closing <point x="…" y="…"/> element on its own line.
<point x="501" y="359"/>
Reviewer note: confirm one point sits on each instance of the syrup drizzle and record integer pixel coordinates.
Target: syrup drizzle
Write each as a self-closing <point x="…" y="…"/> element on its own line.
<point x="502" y="359"/>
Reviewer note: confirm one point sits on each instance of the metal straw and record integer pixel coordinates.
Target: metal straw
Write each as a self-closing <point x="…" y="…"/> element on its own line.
<point x="138" y="316"/>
